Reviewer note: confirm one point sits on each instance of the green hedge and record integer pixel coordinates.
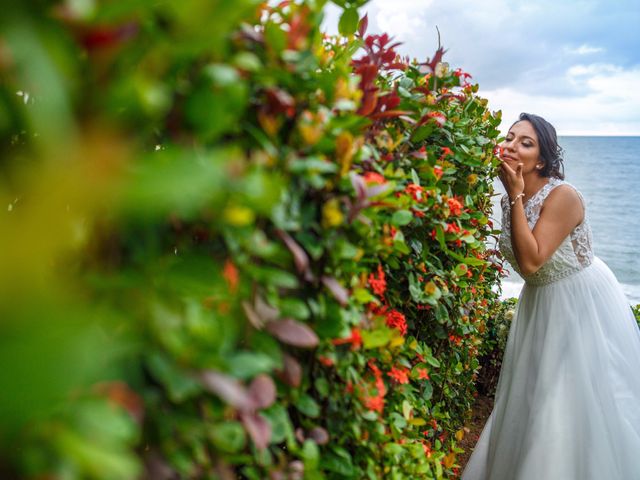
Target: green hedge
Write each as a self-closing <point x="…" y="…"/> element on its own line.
<point x="236" y="247"/>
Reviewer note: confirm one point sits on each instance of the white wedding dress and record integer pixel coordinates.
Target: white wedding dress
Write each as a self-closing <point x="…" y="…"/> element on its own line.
<point x="567" y="404"/>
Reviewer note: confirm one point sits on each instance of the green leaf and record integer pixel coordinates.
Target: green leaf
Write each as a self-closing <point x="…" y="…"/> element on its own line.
<point x="247" y="364"/>
<point x="180" y="385"/>
<point x="229" y="436"/>
<point x="433" y="361"/>
<point x="281" y="427"/>
<point x="349" y="20"/>
<point x="310" y="454"/>
<point x="322" y="386"/>
<point x="427" y="391"/>
<point x="338" y="460"/>
<point x="376" y="338"/>
<point x="363" y="296"/>
<point x="308" y="406"/>
<point x="401" y="217"/>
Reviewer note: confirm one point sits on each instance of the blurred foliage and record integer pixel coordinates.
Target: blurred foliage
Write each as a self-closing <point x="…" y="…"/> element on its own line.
<point x="235" y="247"/>
<point x="494" y="343"/>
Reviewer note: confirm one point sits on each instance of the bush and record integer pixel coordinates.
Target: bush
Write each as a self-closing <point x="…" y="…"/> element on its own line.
<point x="262" y="250"/>
<point x="494" y="342"/>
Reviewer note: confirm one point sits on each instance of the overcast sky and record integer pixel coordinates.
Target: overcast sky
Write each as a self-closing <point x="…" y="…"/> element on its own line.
<point x="575" y="62"/>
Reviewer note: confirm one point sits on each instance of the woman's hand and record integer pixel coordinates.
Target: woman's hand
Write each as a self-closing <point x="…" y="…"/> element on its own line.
<point x="511" y="178"/>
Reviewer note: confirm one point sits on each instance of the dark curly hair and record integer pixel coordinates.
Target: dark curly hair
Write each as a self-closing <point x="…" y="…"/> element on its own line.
<point x="550" y="151"/>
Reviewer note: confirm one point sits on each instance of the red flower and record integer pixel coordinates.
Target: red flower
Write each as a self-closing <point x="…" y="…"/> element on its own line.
<point x="395" y="319"/>
<point x="230" y="274"/>
<point x="418" y="213"/>
<point x="374" y="177"/>
<point x="460" y="73"/>
<point x="437" y="171"/>
<point x="355" y="339"/>
<point x="326" y="361"/>
<point x="379" y="283"/>
<point x="439" y="118"/>
<point x="374" y="403"/>
<point x="445" y="151"/>
<point x="433" y="234"/>
<point x="426" y="447"/>
<point x="416" y="191"/>
<point x="423" y="374"/>
<point x="400" y="375"/>
<point x="455" y="206"/>
<point x="452" y="228"/>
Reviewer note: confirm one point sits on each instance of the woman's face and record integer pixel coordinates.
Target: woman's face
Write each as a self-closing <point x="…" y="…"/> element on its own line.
<point x="521" y="146"/>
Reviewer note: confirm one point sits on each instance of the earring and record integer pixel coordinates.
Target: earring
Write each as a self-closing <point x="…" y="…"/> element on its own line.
<point x="539" y="166"/>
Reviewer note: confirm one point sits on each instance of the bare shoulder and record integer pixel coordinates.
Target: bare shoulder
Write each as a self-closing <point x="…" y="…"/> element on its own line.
<point x="565" y="201"/>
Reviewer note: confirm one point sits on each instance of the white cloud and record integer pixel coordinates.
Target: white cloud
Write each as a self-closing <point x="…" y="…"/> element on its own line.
<point x="531" y="56"/>
<point x="584" y="49"/>
<point x="609" y="104"/>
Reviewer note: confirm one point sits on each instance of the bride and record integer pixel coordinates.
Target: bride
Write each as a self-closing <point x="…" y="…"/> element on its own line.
<point x="567" y="404"/>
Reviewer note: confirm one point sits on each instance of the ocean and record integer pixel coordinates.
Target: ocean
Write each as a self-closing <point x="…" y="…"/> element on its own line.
<point x="606" y="170"/>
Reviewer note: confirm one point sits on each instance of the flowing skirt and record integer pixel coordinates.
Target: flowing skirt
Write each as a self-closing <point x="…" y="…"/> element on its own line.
<point x="567" y="403"/>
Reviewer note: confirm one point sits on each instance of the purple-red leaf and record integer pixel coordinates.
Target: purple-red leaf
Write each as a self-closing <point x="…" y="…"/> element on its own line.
<point x="376" y="190"/>
<point x="359" y="186"/>
<point x="258" y="428"/>
<point x="293" y="332"/>
<point x="291" y="372"/>
<point x="364" y="24"/>
<point x="300" y="257"/>
<point x="339" y="292"/>
<point x="252" y="315"/>
<point x="263" y="391"/>
<point x="319" y="435"/>
<point x="266" y="312"/>
<point x="228" y="389"/>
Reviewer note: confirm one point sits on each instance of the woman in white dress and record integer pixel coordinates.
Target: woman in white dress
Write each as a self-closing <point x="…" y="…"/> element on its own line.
<point x="567" y="404"/>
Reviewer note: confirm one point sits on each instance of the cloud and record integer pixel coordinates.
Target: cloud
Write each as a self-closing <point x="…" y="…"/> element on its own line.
<point x="531" y="55"/>
<point x="608" y="104"/>
<point x="583" y="49"/>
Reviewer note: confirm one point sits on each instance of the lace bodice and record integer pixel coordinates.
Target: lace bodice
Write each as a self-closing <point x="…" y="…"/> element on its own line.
<point x="574" y="253"/>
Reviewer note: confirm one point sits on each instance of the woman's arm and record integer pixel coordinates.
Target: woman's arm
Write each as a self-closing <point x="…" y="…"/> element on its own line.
<point x="561" y="213"/>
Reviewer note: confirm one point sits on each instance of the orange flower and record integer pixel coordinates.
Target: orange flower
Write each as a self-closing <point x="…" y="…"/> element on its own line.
<point x="423" y="374"/>
<point x="400" y="375"/>
<point x="416" y="191"/>
<point x="439" y="118"/>
<point x="355" y="339"/>
<point x="455" y="206"/>
<point x="452" y="228"/>
<point x="230" y="274"/>
<point x="379" y="283"/>
<point x="326" y="361"/>
<point x="445" y="151"/>
<point x="395" y="319"/>
<point x="374" y="403"/>
<point x="374" y="177"/>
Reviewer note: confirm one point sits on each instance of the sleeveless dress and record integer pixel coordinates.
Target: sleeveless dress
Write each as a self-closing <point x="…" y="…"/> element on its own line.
<point x="567" y="404"/>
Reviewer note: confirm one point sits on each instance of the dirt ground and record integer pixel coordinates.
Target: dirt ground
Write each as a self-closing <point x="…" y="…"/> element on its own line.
<point x="481" y="411"/>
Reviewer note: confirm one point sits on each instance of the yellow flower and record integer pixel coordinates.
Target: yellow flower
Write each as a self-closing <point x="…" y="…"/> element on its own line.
<point x="332" y="216"/>
<point x="449" y="460"/>
<point x="239" y="216"/>
<point x="344" y="151"/>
